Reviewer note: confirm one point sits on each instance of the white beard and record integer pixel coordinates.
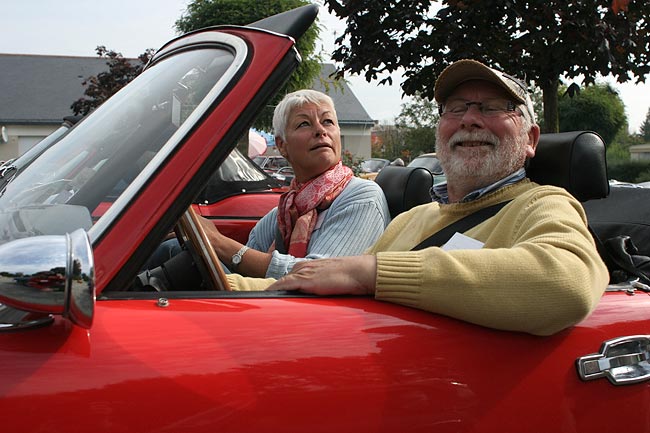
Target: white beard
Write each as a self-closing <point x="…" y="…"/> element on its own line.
<point x="488" y="163"/>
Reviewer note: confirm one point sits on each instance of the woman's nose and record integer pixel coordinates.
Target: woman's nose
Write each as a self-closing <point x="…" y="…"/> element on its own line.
<point x="319" y="131"/>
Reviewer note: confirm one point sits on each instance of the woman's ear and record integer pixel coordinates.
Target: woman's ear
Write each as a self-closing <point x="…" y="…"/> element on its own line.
<point x="281" y="145"/>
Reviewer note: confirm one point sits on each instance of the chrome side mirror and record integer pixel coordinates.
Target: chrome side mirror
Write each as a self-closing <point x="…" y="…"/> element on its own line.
<point x="50" y="274"/>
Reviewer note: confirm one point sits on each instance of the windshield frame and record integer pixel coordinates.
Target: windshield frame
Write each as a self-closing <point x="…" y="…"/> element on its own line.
<point x="240" y="50"/>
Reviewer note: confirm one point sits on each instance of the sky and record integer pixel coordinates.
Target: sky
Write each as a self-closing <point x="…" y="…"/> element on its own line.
<point x="76" y="28"/>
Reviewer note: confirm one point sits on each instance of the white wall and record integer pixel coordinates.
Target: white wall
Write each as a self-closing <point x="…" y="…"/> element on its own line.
<point x="22" y="138"/>
<point x="356" y="139"/>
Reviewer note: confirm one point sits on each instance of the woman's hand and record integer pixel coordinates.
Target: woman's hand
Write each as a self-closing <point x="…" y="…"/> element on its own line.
<point x="253" y="264"/>
<point x="211" y="230"/>
<point x="335" y="276"/>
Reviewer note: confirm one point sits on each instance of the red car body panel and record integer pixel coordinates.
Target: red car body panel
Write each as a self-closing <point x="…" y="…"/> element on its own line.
<point x="295" y="365"/>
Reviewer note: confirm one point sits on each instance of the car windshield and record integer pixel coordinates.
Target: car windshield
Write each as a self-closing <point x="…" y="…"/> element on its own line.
<point x="60" y="190"/>
<point x="236" y="175"/>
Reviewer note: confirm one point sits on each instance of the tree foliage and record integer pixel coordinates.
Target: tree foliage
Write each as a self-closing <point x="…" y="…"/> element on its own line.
<point x="596" y="108"/>
<point x="539" y="40"/>
<point x="102" y="86"/>
<point x="206" y="13"/>
<point x="417" y="122"/>
<point x="645" y="128"/>
<point x="388" y="142"/>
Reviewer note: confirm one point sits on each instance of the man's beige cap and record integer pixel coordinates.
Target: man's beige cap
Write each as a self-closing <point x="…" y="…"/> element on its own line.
<point x="467" y="69"/>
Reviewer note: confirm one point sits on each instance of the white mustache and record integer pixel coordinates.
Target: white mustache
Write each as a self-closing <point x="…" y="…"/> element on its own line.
<point x="482" y="136"/>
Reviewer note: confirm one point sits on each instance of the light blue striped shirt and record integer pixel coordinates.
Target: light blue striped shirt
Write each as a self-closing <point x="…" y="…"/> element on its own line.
<point x="439" y="192"/>
<point x="354" y="221"/>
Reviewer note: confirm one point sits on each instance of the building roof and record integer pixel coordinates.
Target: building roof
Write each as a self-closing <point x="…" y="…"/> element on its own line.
<point x="348" y="108"/>
<point x="39" y="89"/>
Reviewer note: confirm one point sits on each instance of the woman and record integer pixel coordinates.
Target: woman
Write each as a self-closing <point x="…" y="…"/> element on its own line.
<point x="327" y="212"/>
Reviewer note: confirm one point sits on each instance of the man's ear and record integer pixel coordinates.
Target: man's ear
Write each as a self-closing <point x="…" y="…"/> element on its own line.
<point x="533" y="139"/>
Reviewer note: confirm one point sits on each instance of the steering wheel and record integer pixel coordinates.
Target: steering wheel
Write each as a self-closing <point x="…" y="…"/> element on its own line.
<point x="190" y="230"/>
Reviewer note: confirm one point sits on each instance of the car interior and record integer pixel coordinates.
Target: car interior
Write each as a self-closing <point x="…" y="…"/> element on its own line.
<point x="572" y="160"/>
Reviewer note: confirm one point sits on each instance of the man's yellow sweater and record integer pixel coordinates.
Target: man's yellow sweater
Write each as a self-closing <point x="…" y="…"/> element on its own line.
<point x="538" y="271"/>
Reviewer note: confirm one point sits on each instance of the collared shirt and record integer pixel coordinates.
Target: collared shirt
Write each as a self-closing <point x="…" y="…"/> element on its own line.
<point x="440" y="194"/>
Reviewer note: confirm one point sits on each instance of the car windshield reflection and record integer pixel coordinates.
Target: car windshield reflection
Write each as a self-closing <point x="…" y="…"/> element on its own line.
<point x="107" y="151"/>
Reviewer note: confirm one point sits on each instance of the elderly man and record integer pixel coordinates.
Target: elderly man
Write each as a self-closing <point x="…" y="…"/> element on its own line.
<point x="532" y="267"/>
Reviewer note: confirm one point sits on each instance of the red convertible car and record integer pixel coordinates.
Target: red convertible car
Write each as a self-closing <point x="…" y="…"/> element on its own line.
<point x="83" y="348"/>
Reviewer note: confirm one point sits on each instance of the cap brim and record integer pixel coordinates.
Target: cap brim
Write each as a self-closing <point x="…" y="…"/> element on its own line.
<point x="467" y="70"/>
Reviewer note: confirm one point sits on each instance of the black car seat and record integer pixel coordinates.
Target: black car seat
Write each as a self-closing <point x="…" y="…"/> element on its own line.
<point x="572" y="160"/>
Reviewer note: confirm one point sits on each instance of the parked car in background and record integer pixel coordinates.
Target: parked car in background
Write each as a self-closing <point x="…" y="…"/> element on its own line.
<point x="369" y="168"/>
<point x="85" y="347"/>
<point x="271" y="163"/>
<point x="431" y="162"/>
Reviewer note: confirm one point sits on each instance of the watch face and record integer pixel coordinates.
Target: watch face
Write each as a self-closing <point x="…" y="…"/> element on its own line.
<point x="236" y="259"/>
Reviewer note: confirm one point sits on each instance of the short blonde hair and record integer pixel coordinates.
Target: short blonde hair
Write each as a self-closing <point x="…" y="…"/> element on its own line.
<point x="293" y="100"/>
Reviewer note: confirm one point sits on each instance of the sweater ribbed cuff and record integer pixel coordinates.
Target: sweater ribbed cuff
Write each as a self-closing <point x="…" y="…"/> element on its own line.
<point x="399" y="277"/>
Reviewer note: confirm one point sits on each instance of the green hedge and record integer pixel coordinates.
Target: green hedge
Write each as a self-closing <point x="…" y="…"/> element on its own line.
<point x="629" y="171"/>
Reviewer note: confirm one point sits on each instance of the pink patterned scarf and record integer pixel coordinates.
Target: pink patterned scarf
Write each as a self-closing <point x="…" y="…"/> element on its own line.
<point x="298" y="207"/>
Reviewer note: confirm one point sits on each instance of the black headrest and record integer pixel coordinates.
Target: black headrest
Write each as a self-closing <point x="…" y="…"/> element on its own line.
<point x="405" y="187"/>
<point x="574" y="161"/>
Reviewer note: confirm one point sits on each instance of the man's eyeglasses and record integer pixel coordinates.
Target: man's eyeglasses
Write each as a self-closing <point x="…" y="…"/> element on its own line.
<point x="489" y="108"/>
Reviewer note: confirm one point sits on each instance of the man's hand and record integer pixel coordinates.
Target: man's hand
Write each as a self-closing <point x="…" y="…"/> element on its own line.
<point x="336" y="276"/>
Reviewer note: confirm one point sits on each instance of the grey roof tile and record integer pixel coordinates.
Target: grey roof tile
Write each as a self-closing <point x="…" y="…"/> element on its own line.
<point x="39" y="89"/>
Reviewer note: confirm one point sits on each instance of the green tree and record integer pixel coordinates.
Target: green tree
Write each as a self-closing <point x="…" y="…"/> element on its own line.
<point x="102" y="86"/>
<point x="417" y="122"/>
<point x="540" y="40"/>
<point x="645" y="128"/>
<point x="205" y="13"/>
<point x="389" y="142"/>
<point x="596" y="108"/>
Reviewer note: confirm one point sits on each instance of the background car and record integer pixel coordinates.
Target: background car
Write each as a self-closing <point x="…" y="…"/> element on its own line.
<point x="271" y="163"/>
<point x="369" y="168"/>
<point x="431" y="162"/>
<point x="87" y="348"/>
<point x="284" y="175"/>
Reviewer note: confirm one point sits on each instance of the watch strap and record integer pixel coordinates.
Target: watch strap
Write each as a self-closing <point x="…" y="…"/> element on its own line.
<point x="237" y="257"/>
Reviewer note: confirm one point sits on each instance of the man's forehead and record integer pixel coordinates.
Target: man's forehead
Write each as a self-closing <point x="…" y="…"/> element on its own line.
<point x="478" y="87"/>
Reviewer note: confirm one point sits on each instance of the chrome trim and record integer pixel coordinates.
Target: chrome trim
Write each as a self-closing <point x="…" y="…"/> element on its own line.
<point x="81" y="280"/>
<point x="129" y="194"/>
<point x="51" y="275"/>
<point x="623" y="361"/>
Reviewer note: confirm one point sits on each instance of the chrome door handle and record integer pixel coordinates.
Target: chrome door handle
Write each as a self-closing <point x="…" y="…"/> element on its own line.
<point x="623" y="361"/>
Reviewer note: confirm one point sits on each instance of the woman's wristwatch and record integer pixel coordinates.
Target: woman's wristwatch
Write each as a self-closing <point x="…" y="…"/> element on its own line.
<point x="236" y="259"/>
